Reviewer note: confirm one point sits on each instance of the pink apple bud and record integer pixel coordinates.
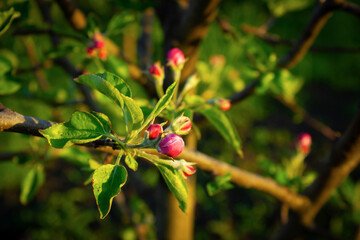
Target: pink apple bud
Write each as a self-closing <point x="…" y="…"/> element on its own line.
<point x="99" y="44"/>
<point x="103" y="54"/>
<point x="304" y="142"/>
<point x="157" y="71"/>
<point x="176" y="58"/>
<point x="181" y="125"/>
<point x="221" y="103"/>
<point x="171" y="145"/>
<point x="90" y="51"/>
<point x="186" y="169"/>
<point x="155" y="130"/>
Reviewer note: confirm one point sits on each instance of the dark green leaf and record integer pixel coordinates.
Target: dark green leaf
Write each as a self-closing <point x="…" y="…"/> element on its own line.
<point x="83" y="127"/>
<point x="6" y="18"/>
<point x="223" y="124"/>
<point x="8" y="84"/>
<point x="31" y="183"/>
<point x="107" y="183"/>
<point x="220" y="183"/>
<point x="118" y="22"/>
<point x="175" y="183"/>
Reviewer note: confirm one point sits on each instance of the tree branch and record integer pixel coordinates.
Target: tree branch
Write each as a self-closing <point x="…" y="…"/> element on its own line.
<point x="14" y="122"/>
<point x="349" y="7"/>
<point x="343" y="159"/>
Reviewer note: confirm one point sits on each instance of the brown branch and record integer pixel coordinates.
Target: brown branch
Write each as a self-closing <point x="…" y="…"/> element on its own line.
<point x="343" y="159"/>
<point x="321" y="14"/>
<point x="317" y="125"/>
<point x="15" y="122"/>
<point x="276" y="40"/>
<point x="349" y="7"/>
<point x="145" y="41"/>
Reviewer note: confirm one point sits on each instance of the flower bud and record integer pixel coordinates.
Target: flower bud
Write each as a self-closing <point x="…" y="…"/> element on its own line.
<point x="176" y="58"/>
<point x="171" y="145"/>
<point x="155" y="130"/>
<point x="103" y="54"/>
<point x="181" y="125"/>
<point x="304" y="142"/>
<point x="90" y="51"/>
<point x="186" y="169"/>
<point x="221" y="103"/>
<point x="157" y="71"/>
<point x="99" y="44"/>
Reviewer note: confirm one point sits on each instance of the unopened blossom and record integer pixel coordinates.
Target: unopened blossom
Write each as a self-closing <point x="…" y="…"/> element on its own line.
<point x="181" y="125"/>
<point x="175" y="58"/>
<point x="186" y="169"/>
<point x="304" y="142"/>
<point x="171" y="145"/>
<point x="155" y="130"/>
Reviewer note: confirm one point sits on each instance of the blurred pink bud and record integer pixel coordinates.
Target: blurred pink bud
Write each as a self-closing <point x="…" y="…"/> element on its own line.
<point x="217" y="60"/>
<point x="171" y="145"/>
<point x="304" y="142"/>
<point x="99" y="44"/>
<point x="175" y="58"/>
<point x="186" y="169"/>
<point x="90" y="51"/>
<point x="156" y="70"/>
<point x="103" y="54"/>
<point x="155" y="130"/>
<point x="222" y="103"/>
<point x="181" y="125"/>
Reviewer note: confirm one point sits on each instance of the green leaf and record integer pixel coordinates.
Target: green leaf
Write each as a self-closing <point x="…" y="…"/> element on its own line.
<point x="8" y="84"/>
<point x="224" y="125"/>
<point x="76" y="156"/>
<point x="107" y="182"/>
<point x="6" y="18"/>
<point x="161" y="104"/>
<point x="131" y="162"/>
<point x="220" y="183"/>
<point x="118" y="91"/>
<point x="175" y="183"/>
<point x="118" y="22"/>
<point x="31" y="183"/>
<point x="83" y="127"/>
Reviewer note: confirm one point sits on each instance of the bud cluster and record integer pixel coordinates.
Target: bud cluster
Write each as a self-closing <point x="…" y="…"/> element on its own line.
<point x="168" y="141"/>
<point x="97" y="46"/>
<point x="304" y="142"/>
<point x="221" y="103"/>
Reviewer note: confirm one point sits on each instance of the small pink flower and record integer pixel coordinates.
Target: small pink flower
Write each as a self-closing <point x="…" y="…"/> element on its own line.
<point x="175" y="58"/>
<point x="171" y="145"/>
<point x="223" y="104"/>
<point x="90" y="51"/>
<point x="155" y="130"/>
<point x="304" y="142"/>
<point x="156" y="70"/>
<point x="181" y="125"/>
<point x="99" y="44"/>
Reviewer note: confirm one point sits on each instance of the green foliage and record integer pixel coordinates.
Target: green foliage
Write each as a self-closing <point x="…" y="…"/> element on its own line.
<point x="31" y="183"/>
<point x="6" y="18"/>
<point x="118" y="22"/>
<point x="281" y="7"/>
<point x="220" y="184"/>
<point x="83" y="127"/>
<point x="8" y="83"/>
<point x="118" y="91"/>
<point x="107" y="182"/>
<point x="131" y="162"/>
<point x="223" y="124"/>
<point x="175" y="183"/>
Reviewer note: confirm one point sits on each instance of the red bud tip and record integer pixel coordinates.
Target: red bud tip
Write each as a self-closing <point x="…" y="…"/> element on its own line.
<point x="175" y="57"/>
<point x="155" y="130"/>
<point x="224" y="104"/>
<point x="304" y="142"/>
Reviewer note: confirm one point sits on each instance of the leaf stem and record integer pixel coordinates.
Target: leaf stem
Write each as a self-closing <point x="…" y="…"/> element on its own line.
<point x="153" y="159"/>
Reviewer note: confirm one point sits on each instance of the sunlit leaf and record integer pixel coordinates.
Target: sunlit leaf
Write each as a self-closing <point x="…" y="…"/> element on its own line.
<point x="6" y="18"/>
<point x="83" y="127"/>
<point x="220" y="183"/>
<point x="107" y="183"/>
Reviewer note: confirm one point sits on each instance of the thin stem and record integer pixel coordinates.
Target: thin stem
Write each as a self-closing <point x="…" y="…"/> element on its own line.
<point x="177" y="74"/>
<point x="153" y="159"/>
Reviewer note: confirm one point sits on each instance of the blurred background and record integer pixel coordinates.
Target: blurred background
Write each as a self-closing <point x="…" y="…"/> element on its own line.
<point x="236" y="50"/>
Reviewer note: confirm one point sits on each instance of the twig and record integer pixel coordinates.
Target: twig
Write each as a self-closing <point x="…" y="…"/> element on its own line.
<point x="321" y="14"/>
<point x="15" y="122"/>
<point x="317" y="125"/>
<point x="73" y="14"/>
<point x="349" y="7"/>
<point x="343" y="159"/>
<point x="276" y="40"/>
<point x="145" y="41"/>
